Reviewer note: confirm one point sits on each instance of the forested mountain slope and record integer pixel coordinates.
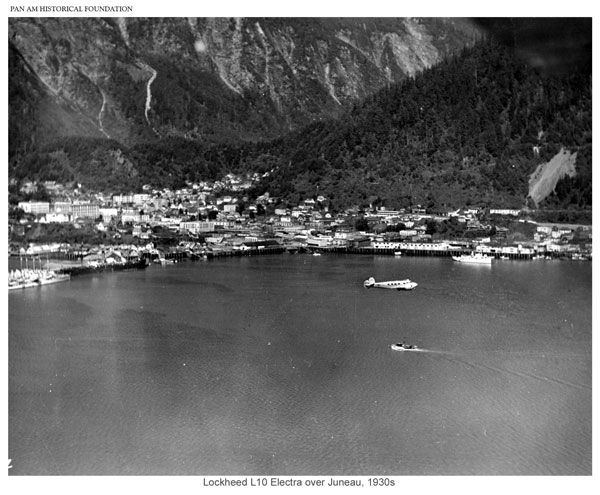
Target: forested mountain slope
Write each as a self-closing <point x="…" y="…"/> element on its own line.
<point x="469" y="131"/>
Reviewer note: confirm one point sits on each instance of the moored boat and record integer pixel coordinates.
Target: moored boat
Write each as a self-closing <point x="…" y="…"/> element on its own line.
<point x="14" y="285"/>
<point x="24" y="279"/>
<point x="476" y="258"/>
<point x="52" y="277"/>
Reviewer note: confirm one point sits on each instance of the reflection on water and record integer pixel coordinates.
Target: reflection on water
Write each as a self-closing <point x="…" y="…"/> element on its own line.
<point x="282" y="365"/>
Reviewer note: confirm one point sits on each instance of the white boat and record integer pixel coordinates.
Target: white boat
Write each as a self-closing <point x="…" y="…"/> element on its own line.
<point x="51" y="277"/>
<point x="13" y="285"/>
<point x="23" y="279"/>
<point x="477" y="258"/>
<point x="404" y="347"/>
<point x="405" y="284"/>
<point x="398" y="253"/>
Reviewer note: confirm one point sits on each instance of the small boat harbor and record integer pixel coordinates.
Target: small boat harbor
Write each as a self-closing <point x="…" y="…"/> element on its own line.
<point x="52" y="273"/>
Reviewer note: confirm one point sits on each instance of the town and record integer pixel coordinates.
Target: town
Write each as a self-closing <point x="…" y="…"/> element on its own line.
<point x="210" y="219"/>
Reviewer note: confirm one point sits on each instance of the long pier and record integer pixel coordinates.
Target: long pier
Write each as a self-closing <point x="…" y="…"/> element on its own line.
<point x="456" y="251"/>
<point x="179" y="254"/>
<point x="245" y="252"/>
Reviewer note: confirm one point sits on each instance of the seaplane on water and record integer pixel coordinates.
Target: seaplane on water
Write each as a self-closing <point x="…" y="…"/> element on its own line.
<point x="405" y="284"/>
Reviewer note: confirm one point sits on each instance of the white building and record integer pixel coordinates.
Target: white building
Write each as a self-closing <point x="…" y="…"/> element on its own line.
<point x="122" y="199"/>
<point x="139" y="199"/>
<point x="57" y="218"/>
<point x="319" y="242"/>
<point x="86" y="210"/>
<point x="108" y="213"/>
<point x="35" y="207"/>
<point x="62" y="207"/>
<point x="196" y="227"/>
<point x="505" y="211"/>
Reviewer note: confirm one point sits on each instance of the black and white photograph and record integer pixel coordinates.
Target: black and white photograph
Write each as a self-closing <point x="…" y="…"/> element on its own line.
<point x="333" y="251"/>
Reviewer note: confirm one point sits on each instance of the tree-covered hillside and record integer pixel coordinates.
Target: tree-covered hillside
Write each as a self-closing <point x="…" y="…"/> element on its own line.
<point x="461" y="133"/>
<point x="468" y="131"/>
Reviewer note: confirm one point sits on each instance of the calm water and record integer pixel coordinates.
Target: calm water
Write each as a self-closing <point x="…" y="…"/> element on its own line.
<point x="282" y="365"/>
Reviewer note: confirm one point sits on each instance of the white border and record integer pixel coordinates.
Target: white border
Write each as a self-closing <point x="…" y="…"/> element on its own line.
<point x="306" y="8"/>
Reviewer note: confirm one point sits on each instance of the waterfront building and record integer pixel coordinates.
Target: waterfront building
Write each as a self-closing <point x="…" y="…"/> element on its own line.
<point x="414" y="246"/>
<point x="37" y="249"/>
<point x="340" y="242"/>
<point x="358" y="240"/>
<point x="319" y="242"/>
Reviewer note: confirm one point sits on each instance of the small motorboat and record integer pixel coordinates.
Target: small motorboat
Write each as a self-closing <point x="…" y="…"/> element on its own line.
<point x="404" y="347"/>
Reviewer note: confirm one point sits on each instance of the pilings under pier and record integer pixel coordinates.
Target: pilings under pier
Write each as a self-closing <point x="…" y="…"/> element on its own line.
<point x="245" y="252"/>
<point x="432" y="252"/>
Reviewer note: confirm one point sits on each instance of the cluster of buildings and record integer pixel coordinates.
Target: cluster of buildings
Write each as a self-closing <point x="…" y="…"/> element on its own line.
<point x="220" y="216"/>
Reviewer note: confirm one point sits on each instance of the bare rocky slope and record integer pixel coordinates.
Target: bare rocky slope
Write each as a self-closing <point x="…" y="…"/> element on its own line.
<point x="134" y="79"/>
<point x="543" y="181"/>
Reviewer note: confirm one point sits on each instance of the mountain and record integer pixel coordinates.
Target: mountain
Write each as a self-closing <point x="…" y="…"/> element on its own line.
<point x="363" y="112"/>
<point x="136" y="80"/>
<point x="471" y="130"/>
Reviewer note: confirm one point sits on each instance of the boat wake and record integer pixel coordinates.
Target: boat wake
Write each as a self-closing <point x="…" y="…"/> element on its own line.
<point x="419" y="349"/>
<point x="454" y="358"/>
<point x="496" y="369"/>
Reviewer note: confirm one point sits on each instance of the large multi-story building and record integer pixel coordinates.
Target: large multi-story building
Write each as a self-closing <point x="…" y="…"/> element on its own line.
<point x="108" y="213"/>
<point x="139" y="199"/>
<point x="122" y="199"/>
<point x="35" y="207"/>
<point x="196" y="227"/>
<point x="86" y="210"/>
<point x="64" y="207"/>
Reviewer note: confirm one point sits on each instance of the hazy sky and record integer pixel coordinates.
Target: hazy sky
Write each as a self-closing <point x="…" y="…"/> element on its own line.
<point x="554" y="44"/>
